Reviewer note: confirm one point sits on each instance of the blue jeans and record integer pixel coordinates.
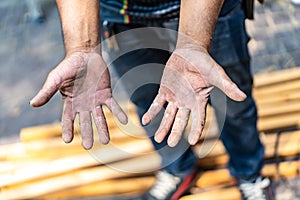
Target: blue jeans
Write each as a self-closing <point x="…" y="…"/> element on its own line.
<point x="236" y="120"/>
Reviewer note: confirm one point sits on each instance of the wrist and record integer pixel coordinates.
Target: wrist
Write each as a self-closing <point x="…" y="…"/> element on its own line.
<point x="189" y="41"/>
<point x="87" y="37"/>
<point x="84" y="53"/>
<point x="85" y="40"/>
<point x="187" y="46"/>
<point x="80" y="24"/>
<point x="83" y="47"/>
<point x="197" y="22"/>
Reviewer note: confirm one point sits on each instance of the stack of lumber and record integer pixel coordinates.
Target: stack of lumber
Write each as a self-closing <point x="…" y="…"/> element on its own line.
<point x="278" y="97"/>
<point x="42" y="166"/>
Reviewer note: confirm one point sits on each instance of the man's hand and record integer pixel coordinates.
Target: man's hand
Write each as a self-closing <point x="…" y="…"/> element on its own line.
<point x="186" y="84"/>
<point x="84" y="82"/>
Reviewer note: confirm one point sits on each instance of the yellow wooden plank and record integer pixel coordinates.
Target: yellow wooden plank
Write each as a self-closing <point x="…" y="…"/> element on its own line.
<point x="147" y="163"/>
<point x="269" y="78"/>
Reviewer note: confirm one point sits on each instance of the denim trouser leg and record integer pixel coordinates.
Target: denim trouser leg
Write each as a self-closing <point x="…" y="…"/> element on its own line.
<point x="237" y="122"/>
<point x="145" y="65"/>
<point x="238" y="131"/>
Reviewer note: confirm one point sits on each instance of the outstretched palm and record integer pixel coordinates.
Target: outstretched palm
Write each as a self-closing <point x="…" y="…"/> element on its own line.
<point x="84" y="82"/>
<point x="186" y="84"/>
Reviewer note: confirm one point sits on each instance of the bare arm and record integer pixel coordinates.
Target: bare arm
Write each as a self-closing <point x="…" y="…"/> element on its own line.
<point x="82" y="77"/>
<point x="80" y="24"/>
<point x="190" y="75"/>
<point x="197" y="21"/>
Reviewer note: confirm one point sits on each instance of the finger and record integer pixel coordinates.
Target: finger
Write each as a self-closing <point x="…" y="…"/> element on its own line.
<point x="198" y="121"/>
<point x="49" y="88"/>
<point x="181" y="121"/>
<point x="166" y="122"/>
<point x="154" y="109"/>
<point x="224" y="83"/>
<point x="101" y="124"/>
<point x="67" y="121"/>
<point x="86" y="129"/>
<point x="115" y="108"/>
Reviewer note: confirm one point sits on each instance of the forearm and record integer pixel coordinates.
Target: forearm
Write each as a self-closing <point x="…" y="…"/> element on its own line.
<point x="197" y="22"/>
<point x="80" y="24"/>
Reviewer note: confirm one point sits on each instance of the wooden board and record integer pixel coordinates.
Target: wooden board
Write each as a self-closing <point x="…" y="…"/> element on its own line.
<point x="54" y="130"/>
<point x="279" y="122"/>
<point x="222" y="187"/>
<point x="92" y="158"/>
<point x="138" y="185"/>
<point x="271" y="78"/>
<point x="231" y="193"/>
<point x="112" y="187"/>
<point x="119" y="169"/>
<point x="288" y="145"/>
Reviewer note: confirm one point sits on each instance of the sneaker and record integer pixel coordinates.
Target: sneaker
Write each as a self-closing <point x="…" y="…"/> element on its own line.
<point x="259" y="189"/>
<point x="296" y="2"/>
<point x="169" y="187"/>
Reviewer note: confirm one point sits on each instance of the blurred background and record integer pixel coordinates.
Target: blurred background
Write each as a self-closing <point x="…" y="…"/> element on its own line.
<point x="31" y="47"/>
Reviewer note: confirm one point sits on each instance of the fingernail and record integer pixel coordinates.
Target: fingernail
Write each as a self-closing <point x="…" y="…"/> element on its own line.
<point x="123" y="118"/>
<point x="145" y="120"/>
<point x="244" y="96"/>
<point x="32" y="103"/>
<point x="239" y="94"/>
<point x="171" y="143"/>
<point x="157" y="139"/>
<point x="87" y="145"/>
<point x="104" y="138"/>
<point x="193" y="140"/>
<point x="67" y="138"/>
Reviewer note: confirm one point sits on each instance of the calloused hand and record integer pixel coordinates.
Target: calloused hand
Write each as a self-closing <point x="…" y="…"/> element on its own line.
<point x="188" y="79"/>
<point x="83" y="80"/>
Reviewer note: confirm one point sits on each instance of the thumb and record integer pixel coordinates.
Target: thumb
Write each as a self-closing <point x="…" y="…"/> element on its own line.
<point x="49" y="88"/>
<point x="224" y="83"/>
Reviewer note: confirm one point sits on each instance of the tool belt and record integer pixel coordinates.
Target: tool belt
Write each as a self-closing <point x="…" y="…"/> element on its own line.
<point x="248" y="6"/>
